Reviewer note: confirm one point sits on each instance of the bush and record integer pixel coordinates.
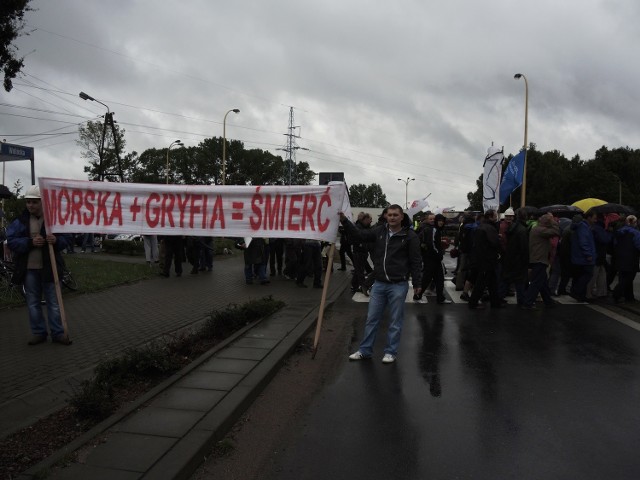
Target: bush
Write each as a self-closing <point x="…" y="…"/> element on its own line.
<point x="94" y="400"/>
<point x="98" y="397"/>
<point x="220" y="324"/>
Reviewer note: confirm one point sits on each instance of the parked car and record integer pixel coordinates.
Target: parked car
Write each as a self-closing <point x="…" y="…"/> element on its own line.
<point x="128" y="237"/>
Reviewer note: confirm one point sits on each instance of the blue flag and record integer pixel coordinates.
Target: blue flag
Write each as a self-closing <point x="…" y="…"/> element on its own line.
<point x="512" y="177"/>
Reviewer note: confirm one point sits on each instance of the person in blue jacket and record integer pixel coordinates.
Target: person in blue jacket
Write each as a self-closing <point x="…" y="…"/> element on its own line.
<point x="28" y="240"/>
<point x="583" y="254"/>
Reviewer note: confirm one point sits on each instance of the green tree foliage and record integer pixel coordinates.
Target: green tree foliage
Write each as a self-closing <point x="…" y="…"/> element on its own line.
<point x="553" y="179"/>
<point x="11" y="26"/>
<point x="198" y="165"/>
<point x="369" y="196"/>
<point x="90" y="140"/>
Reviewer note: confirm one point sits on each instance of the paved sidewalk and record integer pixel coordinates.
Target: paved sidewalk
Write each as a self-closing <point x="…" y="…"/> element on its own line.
<point x="35" y="381"/>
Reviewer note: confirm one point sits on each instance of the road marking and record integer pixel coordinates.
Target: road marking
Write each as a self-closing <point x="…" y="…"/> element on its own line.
<point x="616" y="316"/>
<point x="454" y="295"/>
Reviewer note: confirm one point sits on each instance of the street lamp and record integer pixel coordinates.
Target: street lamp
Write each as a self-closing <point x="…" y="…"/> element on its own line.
<point x="224" y="144"/>
<point x="177" y="142"/>
<point x="523" y="191"/>
<point x="85" y="96"/>
<point x="406" y="190"/>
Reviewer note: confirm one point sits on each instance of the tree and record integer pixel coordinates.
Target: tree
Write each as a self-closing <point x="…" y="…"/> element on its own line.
<point x="370" y="196"/>
<point x="553" y="179"/>
<point x="91" y="141"/>
<point x="11" y="26"/>
<point x="475" y="198"/>
<point x="202" y="165"/>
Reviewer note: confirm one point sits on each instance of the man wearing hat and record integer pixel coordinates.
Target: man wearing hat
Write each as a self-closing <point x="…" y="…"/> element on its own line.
<point x="29" y="241"/>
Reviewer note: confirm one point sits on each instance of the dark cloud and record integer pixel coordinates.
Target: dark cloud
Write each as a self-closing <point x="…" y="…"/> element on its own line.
<point x="381" y="91"/>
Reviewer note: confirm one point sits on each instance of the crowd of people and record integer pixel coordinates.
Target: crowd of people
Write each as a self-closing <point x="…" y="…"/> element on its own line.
<point x="546" y="257"/>
<point x="529" y="258"/>
<point x="517" y="255"/>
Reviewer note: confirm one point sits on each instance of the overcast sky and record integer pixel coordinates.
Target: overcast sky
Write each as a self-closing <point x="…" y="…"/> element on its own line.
<point x="380" y="90"/>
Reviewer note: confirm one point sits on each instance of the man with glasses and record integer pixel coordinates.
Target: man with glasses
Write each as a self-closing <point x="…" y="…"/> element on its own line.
<point x="29" y="242"/>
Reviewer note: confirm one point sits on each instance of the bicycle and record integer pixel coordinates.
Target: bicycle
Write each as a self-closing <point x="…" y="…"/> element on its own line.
<point x="9" y="291"/>
<point x="66" y="276"/>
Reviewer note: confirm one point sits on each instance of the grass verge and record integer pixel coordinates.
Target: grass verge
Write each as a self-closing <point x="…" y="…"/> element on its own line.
<point x="94" y="275"/>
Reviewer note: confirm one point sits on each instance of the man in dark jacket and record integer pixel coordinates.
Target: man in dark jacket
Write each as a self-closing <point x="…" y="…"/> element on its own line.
<point x="627" y="254"/>
<point x="583" y="255"/>
<point x="361" y="256"/>
<point x="432" y="254"/>
<point x="539" y="259"/>
<point x="396" y="256"/>
<point x="29" y="242"/>
<point x="486" y="253"/>
<point x="515" y="264"/>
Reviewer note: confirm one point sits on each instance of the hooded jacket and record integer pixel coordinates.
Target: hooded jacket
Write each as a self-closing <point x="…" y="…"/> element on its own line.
<point x="583" y="245"/>
<point x="395" y="257"/>
<point x="540" y="240"/>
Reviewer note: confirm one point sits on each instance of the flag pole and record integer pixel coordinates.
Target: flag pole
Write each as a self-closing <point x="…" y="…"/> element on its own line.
<point x="54" y="270"/>
<point x="325" y="287"/>
<point x="56" y="281"/>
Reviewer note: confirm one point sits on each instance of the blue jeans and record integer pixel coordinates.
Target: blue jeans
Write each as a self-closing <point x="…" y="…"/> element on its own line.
<point x="259" y="269"/>
<point x="383" y="294"/>
<point x="34" y="288"/>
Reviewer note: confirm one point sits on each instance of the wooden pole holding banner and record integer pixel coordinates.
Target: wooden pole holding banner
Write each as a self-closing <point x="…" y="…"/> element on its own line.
<point x="325" y="287"/>
<point x="56" y="281"/>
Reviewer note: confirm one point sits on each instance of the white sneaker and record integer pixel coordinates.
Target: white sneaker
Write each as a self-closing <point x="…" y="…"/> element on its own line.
<point x="388" y="358"/>
<point x="358" y="356"/>
<point x="445" y="302"/>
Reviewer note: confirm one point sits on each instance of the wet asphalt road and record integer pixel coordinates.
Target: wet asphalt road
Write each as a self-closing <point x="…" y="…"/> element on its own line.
<point x="481" y="395"/>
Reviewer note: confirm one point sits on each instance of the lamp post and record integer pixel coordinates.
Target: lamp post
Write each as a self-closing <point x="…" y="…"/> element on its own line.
<point x="406" y="190"/>
<point x="523" y="191"/>
<point x="177" y="142"/>
<point x="619" y="188"/>
<point x="224" y="144"/>
<point x="85" y="96"/>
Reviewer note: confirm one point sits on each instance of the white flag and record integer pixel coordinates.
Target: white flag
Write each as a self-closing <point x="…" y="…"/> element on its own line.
<point x="417" y="206"/>
<point x="491" y="179"/>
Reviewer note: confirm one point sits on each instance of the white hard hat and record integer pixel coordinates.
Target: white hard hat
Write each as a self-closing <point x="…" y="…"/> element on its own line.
<point x="509" y="211"/>
<point x="33" y="192"/>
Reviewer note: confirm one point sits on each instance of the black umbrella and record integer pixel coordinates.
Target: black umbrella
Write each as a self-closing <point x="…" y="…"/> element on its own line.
<point x="565" y="211"/>
<point x="531" y="211"/>
<point x="5" y="192"/>
<point x="612" y="208"/>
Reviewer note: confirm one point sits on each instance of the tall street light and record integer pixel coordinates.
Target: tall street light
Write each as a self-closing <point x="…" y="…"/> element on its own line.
<point x="177" y="142"/>
<point x="224" y="144"/>
<point x="523" y="191"/>
<point x="85" y="96"/>
<point x="406" y="190"/>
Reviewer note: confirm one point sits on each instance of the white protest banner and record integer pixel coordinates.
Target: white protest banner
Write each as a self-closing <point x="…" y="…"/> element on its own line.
<point x="295" y="211"/>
